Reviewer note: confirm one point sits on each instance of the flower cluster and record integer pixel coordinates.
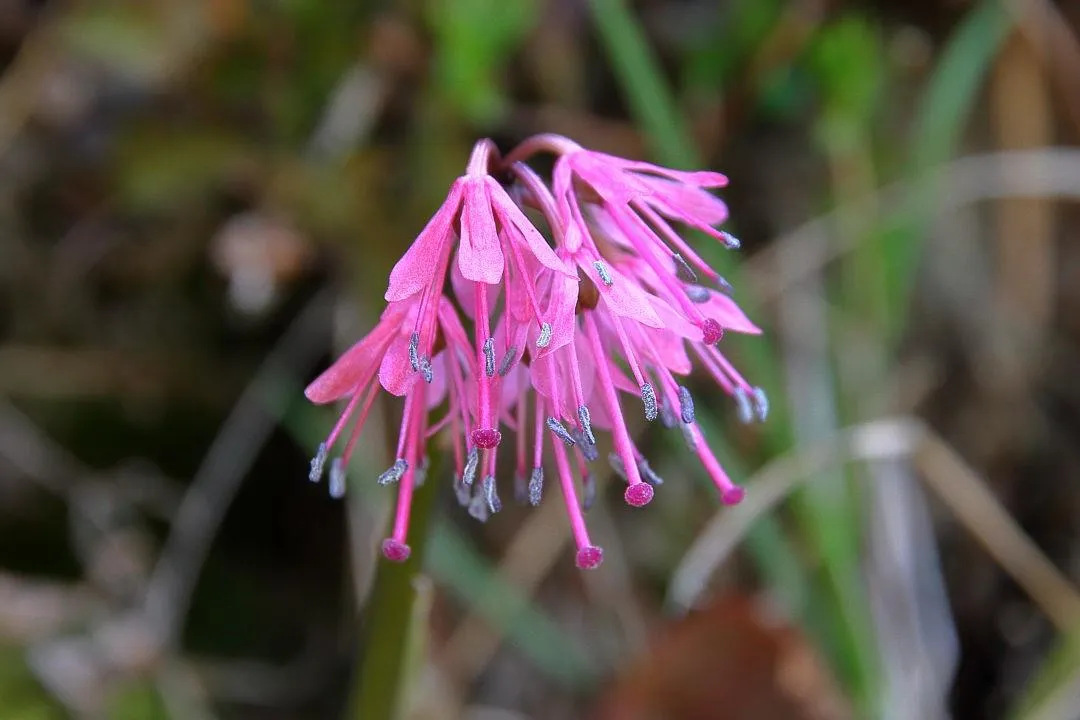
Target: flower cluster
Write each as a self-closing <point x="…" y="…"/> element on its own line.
<point x="615" y="304"/>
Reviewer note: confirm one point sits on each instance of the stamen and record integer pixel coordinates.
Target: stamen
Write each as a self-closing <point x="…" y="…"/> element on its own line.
<point x="639" y="494"/>
<point x="521" y="489"/>
<point x="711" y="332"/>
<point x="724" y="286"/>
<point x="395" y="551"/>
<point x="508" y="361"/>
<point x="536" y="486"/>
<point x="686" y="405"/>
<point x="486" y="438"/>
<point x="489" y="357"/>
<point x="426" y="370"/>
<point x="588" y="491"/>
<point x="478" y="508"/>
<point x="603" y="272"/>
<point x="491" y="494"/>
<point x="337" y="478"/>
<point x="560" y="432"/>
<point x="414" y="351"/>
<point x="743" y="405"/>
<point x="471" y="463"/>
<point x="421" y="472"/>
<point x="544" y="338"/>
<point x="588" y="449"/>
<point x="648" y="398"/>
<point x="462" y="492"/>
<point x="761" y="404"/>
<point x="732" y="242"/>
<point x="586" y="424"/>
<point x="617" y="465"/>
<point x="648" y="473"/>
<point x="667" y="416"/>
<point x="394" y="473"/>
<point x="683" y="271"/>
<point x="689" y="437"/>
<point x="697" y="294"/>
<point x="589" y="557"/>
<point x="318" y="463"/>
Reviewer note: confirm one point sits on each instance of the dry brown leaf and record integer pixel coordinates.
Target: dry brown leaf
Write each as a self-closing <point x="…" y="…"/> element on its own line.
<point x="734" y="660"/>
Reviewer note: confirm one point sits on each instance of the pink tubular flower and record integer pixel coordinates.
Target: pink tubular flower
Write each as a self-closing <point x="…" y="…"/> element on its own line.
<point x="493" y="236"/>
<point x="562" y="332"/>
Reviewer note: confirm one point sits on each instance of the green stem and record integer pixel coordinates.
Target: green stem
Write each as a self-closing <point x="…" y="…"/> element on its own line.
<point x="382" y="672"/>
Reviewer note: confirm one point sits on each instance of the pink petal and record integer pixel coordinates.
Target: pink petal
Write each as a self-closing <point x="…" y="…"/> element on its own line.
<point x="698" y="178"/>
<point x="517" y="226"/>
<point x="417" y="267"/>
<point x="670" y="351"/>
<point x="436" y="392"/>
<point x="607" y="227"/>
<point x="479" y="255"/>
<point x="726" y="312"/>
<point x="678" y="201"/>
<point x="357" y="365"/>
<point x="675" y="321"/>
<point x="465" y="290"/>
<point x="396" y="373"/>
<point x="454" y="331"/>
<point x="517" y="291"/>
<point x="562" y="295"/>
<point x="603" y="173"/>
<point x="623" y="297"/>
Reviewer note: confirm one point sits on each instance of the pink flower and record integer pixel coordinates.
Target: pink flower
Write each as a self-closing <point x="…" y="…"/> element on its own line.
<point x="388" y="357"/>
<point x="636" y="202"/>
<point x="561" y="332"/>
<point x="493" y="236"/>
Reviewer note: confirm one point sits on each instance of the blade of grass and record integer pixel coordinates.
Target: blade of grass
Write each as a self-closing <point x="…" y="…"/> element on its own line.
<point x="942" y="116"/>
<point x="471" y="578"/>
<point x="653" y="107"/>
<point x="381" y="684"/>
<point x="651" y="100"/>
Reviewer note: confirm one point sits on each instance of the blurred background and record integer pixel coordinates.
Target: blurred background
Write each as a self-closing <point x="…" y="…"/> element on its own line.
<point x="200" y="201"/>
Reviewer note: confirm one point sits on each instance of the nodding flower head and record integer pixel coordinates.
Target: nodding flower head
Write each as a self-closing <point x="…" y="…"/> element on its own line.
<point x="609" y="310"/>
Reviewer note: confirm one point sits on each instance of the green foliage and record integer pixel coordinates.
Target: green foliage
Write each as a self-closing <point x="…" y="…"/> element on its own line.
<point x="473" y="40"/>
<point x="21" y="695"/>
<point x="846" y="59"/>
<point x="137" y="700"/>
